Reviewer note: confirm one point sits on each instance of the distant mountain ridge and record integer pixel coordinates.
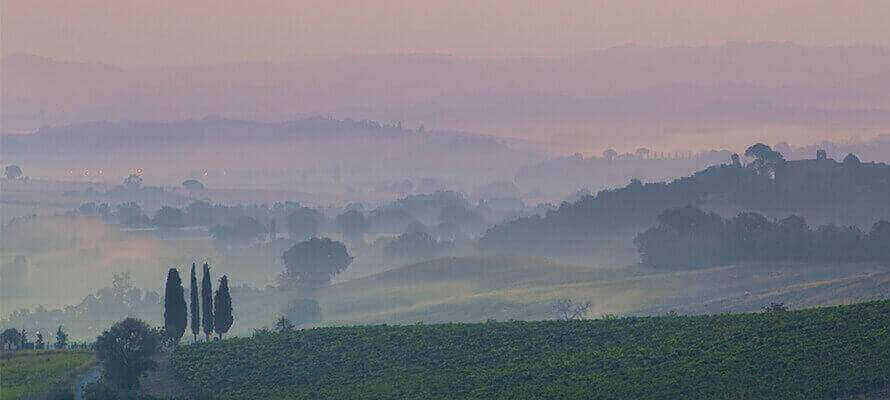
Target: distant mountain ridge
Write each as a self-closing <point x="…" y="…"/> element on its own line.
<point x="774" y="83"/>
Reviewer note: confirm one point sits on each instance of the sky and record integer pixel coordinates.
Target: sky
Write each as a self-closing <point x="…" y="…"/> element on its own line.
<point x="189" y="32"/>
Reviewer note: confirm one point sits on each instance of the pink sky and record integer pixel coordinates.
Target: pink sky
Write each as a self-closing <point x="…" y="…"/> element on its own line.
<point x="143" y="32"/>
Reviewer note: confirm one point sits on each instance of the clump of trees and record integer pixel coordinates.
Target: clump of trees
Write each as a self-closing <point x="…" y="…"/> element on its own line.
<point x="690" y="237"/>
<point x="314" y="262"/>
<point x="767" y="181"/>
<point x="217" y="308"/>
<point x="13" y="172"/>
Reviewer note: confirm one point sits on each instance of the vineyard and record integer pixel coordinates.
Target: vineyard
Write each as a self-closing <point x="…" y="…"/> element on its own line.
<point x="33" y="373"/>
<point x="832" y="352"/>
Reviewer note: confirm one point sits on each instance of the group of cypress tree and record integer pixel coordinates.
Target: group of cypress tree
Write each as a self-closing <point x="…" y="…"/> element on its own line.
<point x="217" y="316"/>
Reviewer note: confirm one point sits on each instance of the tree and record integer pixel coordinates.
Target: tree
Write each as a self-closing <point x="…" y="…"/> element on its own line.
<point x="568" y="310"/>
<point x="125" y="351"/>
<point x="313" y="263"/>
<point x="766" y="160"/>
<point x="61" y="338"/>
<point x="642" y="153"/>
<point x="821" y="155"/>
<point x="283" y="325"/>
<point x="192" y="184"/>
<point x="133" y="181"/>
<point x="610" y="154"/>
<point x="39" y="344"/>
<point x="222" y="312"/>
<point x="11" y="339"/>
<point x="13" y="172"/>
<point x="207" y="301"/>
<point x="175" y="309"/>
<point x="195" y="307"/>
<point x="735" y="160"/>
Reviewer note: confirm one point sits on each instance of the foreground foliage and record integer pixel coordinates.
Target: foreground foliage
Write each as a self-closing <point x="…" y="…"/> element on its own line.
<point x="818" y="353"/>
<point x="31" y="373"/>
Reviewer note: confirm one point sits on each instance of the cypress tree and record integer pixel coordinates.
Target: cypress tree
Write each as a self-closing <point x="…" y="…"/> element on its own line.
<point x="207" y="301"/>
<point x="195" y="311"/>
<point x="175" y="309"/>
<point x="223" y="308"/>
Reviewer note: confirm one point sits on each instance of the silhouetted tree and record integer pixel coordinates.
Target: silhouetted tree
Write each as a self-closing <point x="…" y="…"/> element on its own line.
<point x="283" y="325"/>
<point x="313" y="263"/>
<point x="222" y="312"/>
<point x="175" y="308"/>
<point x="195" y="305"/>
<point x="207" y="301"/>
<point x="766" y="160"/>
<point x="851" y="160"/>
<point x="192" y="184"/>
<point x="11" y="339"/>
<point x="735" y="160"/>
<point x="61" y="338"/>
<point x="133" y="181"/>
<point x="39" y="344"/>
<point x="125" y="351"/>
<point x="13" y="172"/>
<point x="567" y="309"/>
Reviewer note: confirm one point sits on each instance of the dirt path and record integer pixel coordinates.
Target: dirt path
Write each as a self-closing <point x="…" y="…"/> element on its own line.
<point x="92" y="375"/>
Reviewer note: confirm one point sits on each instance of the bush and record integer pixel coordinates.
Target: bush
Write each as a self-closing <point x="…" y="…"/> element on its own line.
<point x="125" y="351"/>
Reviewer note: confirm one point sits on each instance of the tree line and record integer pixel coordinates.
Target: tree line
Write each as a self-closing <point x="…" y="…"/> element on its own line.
<point x="17" y="339"/>
<point x="690" y="237"/>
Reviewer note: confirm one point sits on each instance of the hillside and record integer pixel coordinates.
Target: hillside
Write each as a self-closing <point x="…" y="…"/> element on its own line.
<point x="34" y="374"/>
<point x="821" y="190"/>
<point x="833" y="352"/>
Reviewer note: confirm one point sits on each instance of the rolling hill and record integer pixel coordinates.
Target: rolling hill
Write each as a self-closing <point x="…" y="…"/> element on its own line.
<point x="833" y="352"/>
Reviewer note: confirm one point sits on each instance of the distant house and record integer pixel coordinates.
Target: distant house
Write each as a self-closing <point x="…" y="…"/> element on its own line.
<point x="193" y="184"/>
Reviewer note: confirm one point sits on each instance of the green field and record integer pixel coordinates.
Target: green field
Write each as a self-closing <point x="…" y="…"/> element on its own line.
<point x="27" y="374"/>
<point x="832" y="352"/>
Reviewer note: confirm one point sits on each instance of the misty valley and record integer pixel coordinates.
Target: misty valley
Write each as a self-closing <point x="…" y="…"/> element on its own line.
<point x="445" y="200"/>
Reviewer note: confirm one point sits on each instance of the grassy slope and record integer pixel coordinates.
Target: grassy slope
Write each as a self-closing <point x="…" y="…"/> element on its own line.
<point x="816" y="353"/>
<point x="471" y="289"/>
<point x="30" y="373"/>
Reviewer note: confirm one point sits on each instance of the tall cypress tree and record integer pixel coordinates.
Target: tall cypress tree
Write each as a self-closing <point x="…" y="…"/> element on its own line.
<point x="207" y="301"/>
<point x="175" y="309"/>
<point x="195" y="307"/>
<point x="222" y="311"/>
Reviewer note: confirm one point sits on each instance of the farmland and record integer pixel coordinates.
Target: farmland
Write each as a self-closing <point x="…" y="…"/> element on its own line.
<point x="32" y="373"/>
<point x="830" y="352"/>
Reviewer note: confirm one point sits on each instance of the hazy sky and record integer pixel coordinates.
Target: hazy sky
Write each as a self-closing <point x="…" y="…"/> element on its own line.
<point x="133" y="32"/>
